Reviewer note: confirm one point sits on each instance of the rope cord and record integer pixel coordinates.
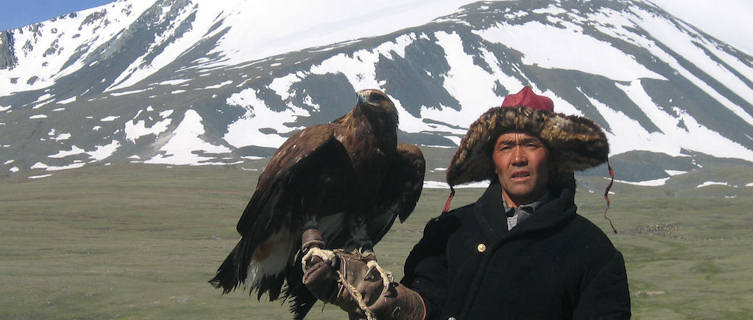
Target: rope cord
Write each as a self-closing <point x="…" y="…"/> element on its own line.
<point x="356" y="296"/>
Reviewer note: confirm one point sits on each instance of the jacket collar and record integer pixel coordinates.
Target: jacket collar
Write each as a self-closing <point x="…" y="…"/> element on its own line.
<point x="489" y="212"/>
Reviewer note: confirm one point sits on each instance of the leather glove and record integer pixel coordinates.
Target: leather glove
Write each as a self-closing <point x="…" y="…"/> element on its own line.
<point x="398" y="302"/>
<point x="356" y="283"/>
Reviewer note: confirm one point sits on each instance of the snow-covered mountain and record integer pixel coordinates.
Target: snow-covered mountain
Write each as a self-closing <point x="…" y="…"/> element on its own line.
<point x="218" y="82"/>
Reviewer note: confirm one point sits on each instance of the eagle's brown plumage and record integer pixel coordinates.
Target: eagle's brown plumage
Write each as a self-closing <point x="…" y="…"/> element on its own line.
<point x="349" y="178"/>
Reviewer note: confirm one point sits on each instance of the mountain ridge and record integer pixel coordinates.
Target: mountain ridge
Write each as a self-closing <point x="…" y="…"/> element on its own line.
<point x="653" y="82"/>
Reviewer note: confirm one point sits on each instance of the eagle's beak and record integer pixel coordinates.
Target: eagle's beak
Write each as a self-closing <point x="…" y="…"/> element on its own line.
<point x="367" y="97"/>
<point x="360" y="99"/>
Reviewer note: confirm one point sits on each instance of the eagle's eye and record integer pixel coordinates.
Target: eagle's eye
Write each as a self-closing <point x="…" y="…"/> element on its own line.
<point x="376" y="97"/>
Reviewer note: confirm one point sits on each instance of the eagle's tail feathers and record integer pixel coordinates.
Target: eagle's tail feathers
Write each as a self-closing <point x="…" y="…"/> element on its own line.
<point x="261" y="266"/>
<point x="228" y="275"/>
<point x="223" y="279"/>
<point x="271" y="284"/>
<point x="299" y="297"/>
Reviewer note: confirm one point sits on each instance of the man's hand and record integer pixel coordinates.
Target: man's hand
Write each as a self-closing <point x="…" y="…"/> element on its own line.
<point x="356" y="283"/>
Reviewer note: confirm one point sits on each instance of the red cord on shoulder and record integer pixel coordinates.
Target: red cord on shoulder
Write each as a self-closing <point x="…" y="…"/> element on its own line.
<point x="449" y="200"/>
<point x="606" y="196"/>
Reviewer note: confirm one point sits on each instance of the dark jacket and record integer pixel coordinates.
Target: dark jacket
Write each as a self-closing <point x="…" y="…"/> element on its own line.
<point x="554" y="265"/>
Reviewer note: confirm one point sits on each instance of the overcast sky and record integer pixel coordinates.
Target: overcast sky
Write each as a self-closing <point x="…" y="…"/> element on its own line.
<point x="723" y="19"/>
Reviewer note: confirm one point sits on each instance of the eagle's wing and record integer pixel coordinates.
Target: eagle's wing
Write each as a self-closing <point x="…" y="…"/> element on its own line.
<point x="400" y="191"/>
<point x="311" y="171"/>
<point x="310" y="174"/>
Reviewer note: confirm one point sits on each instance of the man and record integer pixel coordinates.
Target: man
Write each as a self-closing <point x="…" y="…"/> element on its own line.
<point x="520" y="252"/>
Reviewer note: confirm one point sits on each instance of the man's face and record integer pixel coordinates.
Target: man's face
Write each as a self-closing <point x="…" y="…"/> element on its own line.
<point x="522" y="166"/>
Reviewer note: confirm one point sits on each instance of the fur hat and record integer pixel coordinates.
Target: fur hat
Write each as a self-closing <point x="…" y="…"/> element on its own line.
<point x="575" y="143"/>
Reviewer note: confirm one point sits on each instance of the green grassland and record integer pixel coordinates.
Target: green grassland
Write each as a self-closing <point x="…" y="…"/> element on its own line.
<point x="140" y="242"/>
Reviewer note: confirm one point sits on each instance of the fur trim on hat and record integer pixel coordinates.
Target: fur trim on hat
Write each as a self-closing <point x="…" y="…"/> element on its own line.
<point x="575" y="143"/>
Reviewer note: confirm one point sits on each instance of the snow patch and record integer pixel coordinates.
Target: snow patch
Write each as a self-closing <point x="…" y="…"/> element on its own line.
<point x="109" y="118"/>
<point x="105" y="151"/>
<point x="174" y="82"/>
<point x="550" y="10"/>
<point x="246" y="131"/>
<point x="135" y="130"/>
<point x="574" y="50"/>
<point x="360" y="70"/>
<point x="316" y="25"/>
<point x="712" y="183"/>
<point x="66" y="35"/>
<point x="166" y="113"/>
<point x="181" y="148"/>
<point x="123" y="93"/>
<point x="471" y="85"/>
<point x="281" y="86"/>
<point x="44" y="97"/>
<point x="443" y="185"/>
<point x="62" y="154"/>
<point x="39" y="165"/>
<point x="647" y="183"/>
<point x="202" y="17"/>
<point x="68" y="167"/>
<point x="40" y="176"/>
<point x="38" y="116"/>
<point x="436" y="146"/>
<point x="62" y="137"/>
<point x="67" y="101"/>
<point x="220" y="85"/>
<point x="681" y="41"/>
<point x="627" y="134"/>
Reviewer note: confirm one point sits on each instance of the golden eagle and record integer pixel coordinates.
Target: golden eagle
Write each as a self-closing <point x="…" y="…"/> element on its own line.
<point x="349" y="179"/>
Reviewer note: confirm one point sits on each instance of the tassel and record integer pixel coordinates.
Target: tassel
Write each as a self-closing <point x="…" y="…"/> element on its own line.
<point x="606" y="196"/>
<point x="449" y="200"/>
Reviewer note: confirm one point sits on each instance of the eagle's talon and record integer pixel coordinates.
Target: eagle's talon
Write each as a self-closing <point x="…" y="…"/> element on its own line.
<point x="368" y="253"/>
<point x="326" y="255"/>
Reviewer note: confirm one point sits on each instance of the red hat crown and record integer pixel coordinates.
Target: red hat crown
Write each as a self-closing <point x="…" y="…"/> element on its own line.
<point x="527" y="98"/>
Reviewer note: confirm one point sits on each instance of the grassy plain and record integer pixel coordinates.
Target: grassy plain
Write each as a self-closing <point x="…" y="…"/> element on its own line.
<point x="140" y="242"/>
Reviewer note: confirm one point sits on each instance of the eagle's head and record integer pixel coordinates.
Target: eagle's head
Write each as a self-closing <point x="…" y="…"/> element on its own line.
<point x="375" y="102"/>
